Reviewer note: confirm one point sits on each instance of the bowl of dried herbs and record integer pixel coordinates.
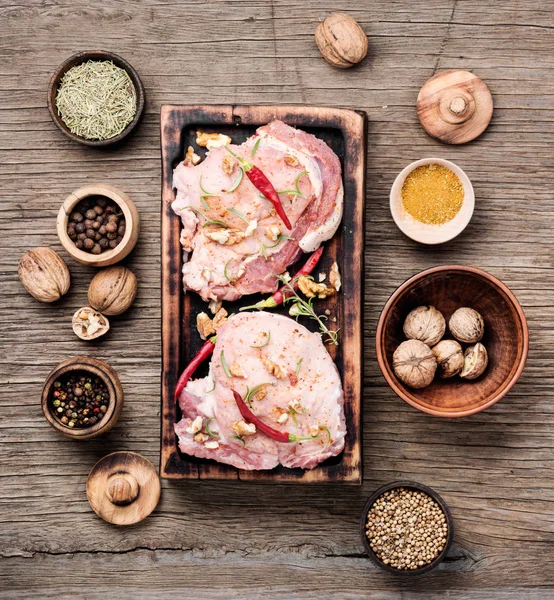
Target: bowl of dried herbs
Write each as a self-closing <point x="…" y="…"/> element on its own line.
<point x="96" y="98"/>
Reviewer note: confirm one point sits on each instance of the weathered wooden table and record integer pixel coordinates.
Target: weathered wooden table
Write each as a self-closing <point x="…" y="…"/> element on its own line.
<point x="222" y="540"/>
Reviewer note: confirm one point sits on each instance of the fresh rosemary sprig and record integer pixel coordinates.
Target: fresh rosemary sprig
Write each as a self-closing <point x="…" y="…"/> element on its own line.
<point x="296" y="191"/>
<point x="298" y="365"/>
<point x="225" y="365"/>
<point x="229" y="279"/>
<point x="209" y="431"/>
<point x="304" y="308"/>
<point x="237" y="181"/>
<point x="239" y="214"/>
<point x="265" y="343"/>
<point x="255" y="148"/>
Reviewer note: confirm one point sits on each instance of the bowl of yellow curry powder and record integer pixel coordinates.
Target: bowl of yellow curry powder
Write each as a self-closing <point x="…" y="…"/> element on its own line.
<point x="432" y="201"/>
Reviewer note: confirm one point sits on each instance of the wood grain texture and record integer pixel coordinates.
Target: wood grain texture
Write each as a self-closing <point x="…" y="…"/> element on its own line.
<point x="220" y="540"/>
<point x="345" y="132"/>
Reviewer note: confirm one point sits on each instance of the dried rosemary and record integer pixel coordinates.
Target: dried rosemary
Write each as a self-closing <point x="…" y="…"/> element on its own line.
<point x="96" y="100"/>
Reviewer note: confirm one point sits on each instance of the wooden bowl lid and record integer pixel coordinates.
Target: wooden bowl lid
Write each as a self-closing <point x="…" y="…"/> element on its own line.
<point x="123" y="488"/>
<point x="454" y="106"/>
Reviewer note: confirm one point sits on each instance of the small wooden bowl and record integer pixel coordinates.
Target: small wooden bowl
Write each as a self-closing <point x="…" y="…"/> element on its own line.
<point x="506" y="338"/>
<point x="97" y="368"/>
<point x="132" y="225"/>
<point x="77" y="59"/>
<point x="420" y="488"/>
<point x="422" y="232"/>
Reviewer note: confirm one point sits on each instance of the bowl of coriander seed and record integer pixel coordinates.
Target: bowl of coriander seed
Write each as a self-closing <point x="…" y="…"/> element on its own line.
<point x="96" y="98"/>
<point x="406" y="528"/>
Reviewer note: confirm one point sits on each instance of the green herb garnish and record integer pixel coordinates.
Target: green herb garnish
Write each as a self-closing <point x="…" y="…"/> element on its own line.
<point x="254" y="390"/>
<point x="237" y="181"/>
<point x="195" y="211"/>
<point x="280" y="238"/>
<point x="220" y="223"/>
<point x="255" y="148"/>
<point x="298" y="365"/>
<point x="225" y="365"/>
<point x="326" y="429"/>
<point x="213" y="388"/>
<point x="239" y="214"/>
<point x="225" y="272"/>
<point x="96" y="100"/>
<point x="301" y="307"/>
<point x="205" y="194"/>
<point x="296" y="191"/>
<point x="209" y="431"/>
<point x="237" y="437"/>
<point x="266" y="342"/>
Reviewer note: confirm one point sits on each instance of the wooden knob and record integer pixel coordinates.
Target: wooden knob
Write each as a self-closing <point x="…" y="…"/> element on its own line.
<point x="123" y="488"/>
<point x="454" y="106"/>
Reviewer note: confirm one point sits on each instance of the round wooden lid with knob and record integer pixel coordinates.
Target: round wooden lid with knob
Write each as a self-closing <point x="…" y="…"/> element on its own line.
<point x="454" y="106"/>
<point x="123" y="488"/>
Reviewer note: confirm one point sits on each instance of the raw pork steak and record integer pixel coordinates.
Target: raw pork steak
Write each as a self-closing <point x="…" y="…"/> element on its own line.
<point x="301" y="394"/>
<point x="233" y="240"/>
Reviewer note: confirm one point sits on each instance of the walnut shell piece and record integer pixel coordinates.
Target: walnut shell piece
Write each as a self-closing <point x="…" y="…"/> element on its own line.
<point x="414" y="364"/>
<point x="475" y="361"/>
<point x="44" y="274"/>
<point x="112" y="290"/>
<point x="341" y="40"/>
<point x="450" y="358"/>
<point x="467" y="325"/>
<point x="426" y="324"/>
<point x="89" y="324"/>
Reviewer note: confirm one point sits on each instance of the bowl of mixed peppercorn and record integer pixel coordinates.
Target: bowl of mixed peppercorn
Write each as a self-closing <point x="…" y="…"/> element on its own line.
<point x="98" y="225"/>
<point x="82" y="398"/>
<point x="406" y="528"/>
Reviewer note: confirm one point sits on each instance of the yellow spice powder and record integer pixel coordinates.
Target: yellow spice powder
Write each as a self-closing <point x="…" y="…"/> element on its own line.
<point x="432" y="194"/>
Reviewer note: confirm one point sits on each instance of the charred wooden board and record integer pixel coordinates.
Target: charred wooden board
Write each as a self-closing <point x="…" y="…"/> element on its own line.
<point x="345" y="132"/>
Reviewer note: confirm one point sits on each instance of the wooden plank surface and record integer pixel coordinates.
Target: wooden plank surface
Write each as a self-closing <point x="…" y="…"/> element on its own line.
<point x="345" y="132"/>
<point x="220" y="540"/>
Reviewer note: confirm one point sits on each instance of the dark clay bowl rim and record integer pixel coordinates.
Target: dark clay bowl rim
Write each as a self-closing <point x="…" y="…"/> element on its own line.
<point x="79" y="58"/>
<point x="97" y="368"/>
<point x="421" y="488"/>
<point x="403" y="392"/>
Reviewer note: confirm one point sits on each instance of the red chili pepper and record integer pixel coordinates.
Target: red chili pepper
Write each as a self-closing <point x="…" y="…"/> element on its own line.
<point x="202" y="354"/>
<point x="274" y="434"/>
<point x="262" y="183"/>
<point x="278" y="297"/>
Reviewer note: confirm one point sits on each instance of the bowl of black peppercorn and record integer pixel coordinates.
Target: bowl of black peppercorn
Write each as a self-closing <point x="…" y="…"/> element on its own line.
<point x="82" y="398"/>
<point x="98" y="225"/>
<point x="406" y="528"/>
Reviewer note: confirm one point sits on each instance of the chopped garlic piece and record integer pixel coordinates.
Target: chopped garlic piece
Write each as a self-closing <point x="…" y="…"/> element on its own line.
<point x="321" y="277"/>
<point x="273" y="232"/>
<point x="213" y="445"/>
<point x="334" y="276"/>
<point x="252" y="225"/>
<point x="283" y="418"/>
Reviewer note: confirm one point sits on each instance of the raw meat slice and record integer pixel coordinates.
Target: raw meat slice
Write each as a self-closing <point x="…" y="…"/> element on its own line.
<point x="234" y="242"/>
<point x="301" y="381"/>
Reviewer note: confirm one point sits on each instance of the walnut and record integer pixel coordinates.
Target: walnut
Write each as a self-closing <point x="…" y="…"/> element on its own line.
<point x="414" y="364"/>
<point x="295" y="405"/>
<point x="214" y="306"/>
<point x="334" y="276"/>
<point x="450" y="358"/>
<point x="243" y="429"/>
<point x="273" y="368"/>
<point x="341" y="41"/>
<point x="226" y="237"/>
<point x="228" y="165"/>
<point x="273" y="232"/>
<point x="112" y="290"/>
<point x="204" y="325"/>
<point x="311" y="289"/>
<point x="195" y="426"/>
<point x="426" y="324"/>
<point x="467" y="325"/>
<point x="89" y="324"/>
<point x="260" y="394"/>
<point x="44" y="274"/>
<point x="212" y="445"/>
<point x="475" y="361"/>
<point x="220" y="318"/>
<point x="236" y="370"/>
<point x="291" y="160"/>
<point x="191" y="158"/>
<point x="201" y="437"/>
<point x="212" y="140"/>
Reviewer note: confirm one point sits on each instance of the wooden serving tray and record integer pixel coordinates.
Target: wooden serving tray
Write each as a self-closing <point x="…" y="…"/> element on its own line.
<point x="346" y="132"/>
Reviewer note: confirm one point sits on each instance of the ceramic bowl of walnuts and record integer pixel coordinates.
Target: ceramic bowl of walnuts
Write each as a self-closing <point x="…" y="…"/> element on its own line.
<point x="452" y="341"/>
